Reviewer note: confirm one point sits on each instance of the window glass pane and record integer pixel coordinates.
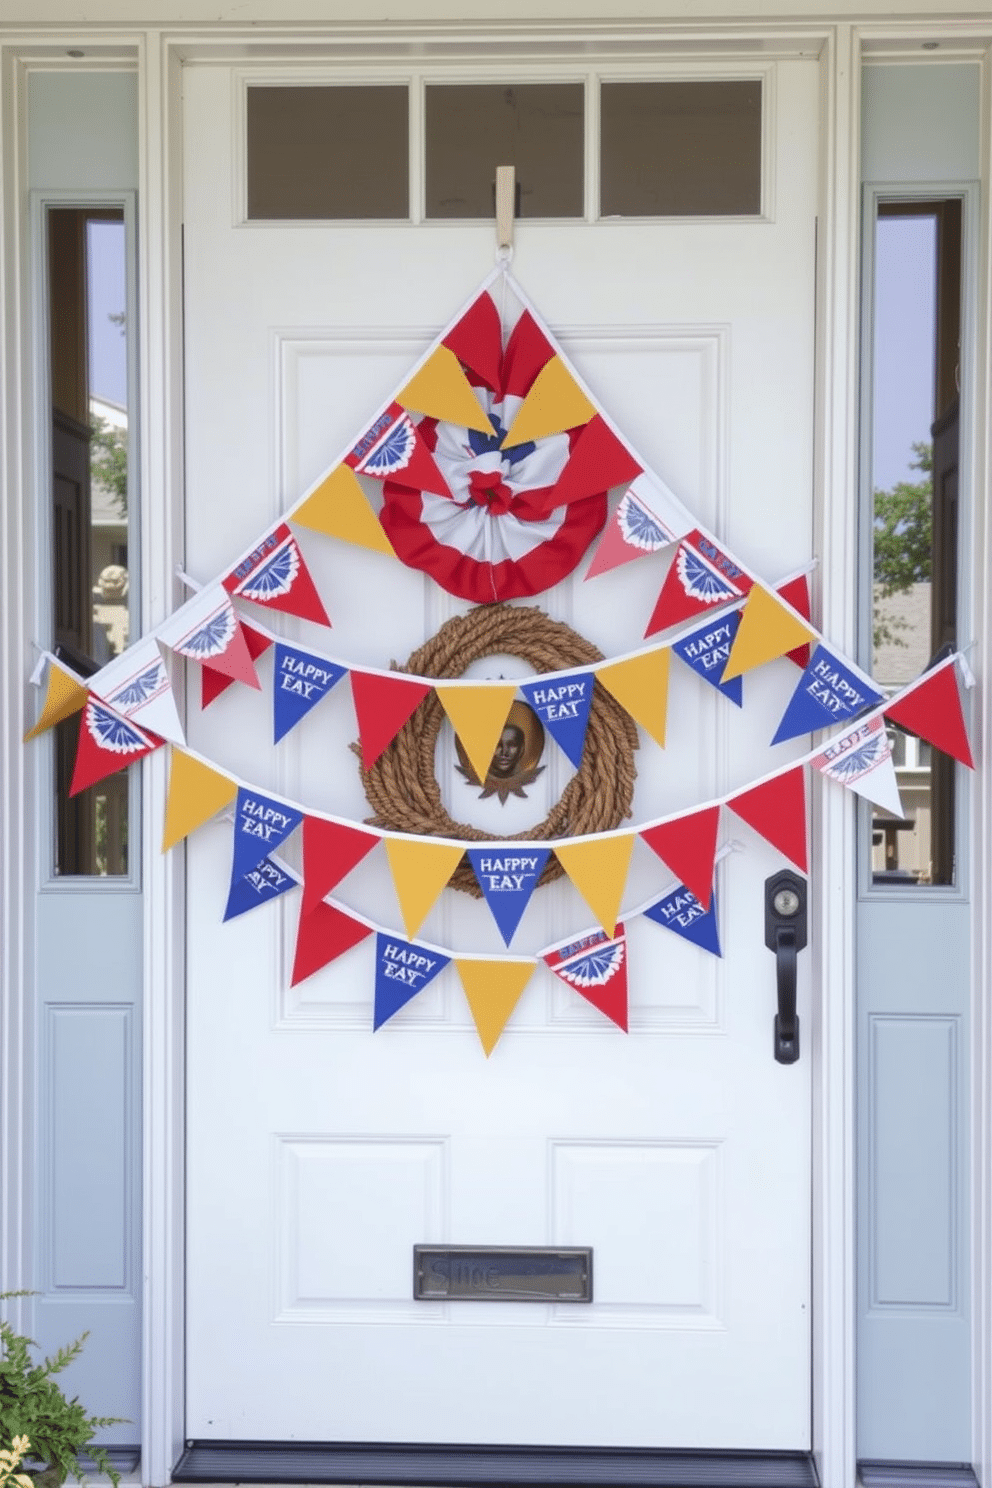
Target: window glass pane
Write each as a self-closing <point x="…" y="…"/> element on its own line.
<point x="681" y="149"/>
<point x="917" y="314"/>
<point x="536" y="127"/>
<point x="90" y="580"/>
<point x="328" y="152"/>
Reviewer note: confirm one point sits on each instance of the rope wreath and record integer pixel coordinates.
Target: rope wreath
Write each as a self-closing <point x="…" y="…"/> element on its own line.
<point x="402" y="789"/>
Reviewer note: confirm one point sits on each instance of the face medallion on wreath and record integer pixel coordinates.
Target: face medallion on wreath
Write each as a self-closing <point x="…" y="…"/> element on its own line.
<point x="515" y="759"/>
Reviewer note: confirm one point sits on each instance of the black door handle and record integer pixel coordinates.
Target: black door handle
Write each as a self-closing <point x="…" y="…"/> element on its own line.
<point x="785" y="934"/>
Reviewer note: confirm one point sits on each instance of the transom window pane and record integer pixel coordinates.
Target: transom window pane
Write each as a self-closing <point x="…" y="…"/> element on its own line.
<point x="681" y="149"/>
<point x="536" y="127"/>
<point x="328" y="152"/>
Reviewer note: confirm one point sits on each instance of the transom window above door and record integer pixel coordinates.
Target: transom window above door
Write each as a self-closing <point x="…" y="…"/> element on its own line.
<point x="662" y="149"/>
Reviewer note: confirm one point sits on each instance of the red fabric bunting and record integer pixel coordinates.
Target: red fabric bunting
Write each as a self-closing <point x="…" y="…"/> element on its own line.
<point x="214" y="682"/>
<point x="527" y="351"/>
<point x="323" y="935"/>
<point x="476" y="339"/>
<point x="702" y="578"/>
<point x="796" y="594"/>
<point x="330" y="851"/>
<point x="688" y="847"/>
<point x="107" y="743"/>
<point x="777" y="812"/>
<point x="275" y="575"/>
<point x="933" y="710"/>
<point x="611" y="997"/>
<point x="382" y="707"/>
<point x="598" y="462"/>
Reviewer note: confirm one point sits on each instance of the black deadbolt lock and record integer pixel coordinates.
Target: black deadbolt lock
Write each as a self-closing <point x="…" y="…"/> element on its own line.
<point x="785" y="934"/>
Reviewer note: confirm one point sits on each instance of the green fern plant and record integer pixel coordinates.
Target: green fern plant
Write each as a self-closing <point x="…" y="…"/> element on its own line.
<point x="32" y="1406"/>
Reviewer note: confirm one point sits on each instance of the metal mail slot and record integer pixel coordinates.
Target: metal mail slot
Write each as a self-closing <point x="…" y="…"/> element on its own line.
<point x="500" y="1273"/>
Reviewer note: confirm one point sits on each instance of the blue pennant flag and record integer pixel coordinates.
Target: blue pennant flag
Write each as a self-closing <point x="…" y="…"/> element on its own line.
<point x="402" y="969"/>
<point x="682" y="912"/>
<point x="265" y="882"/>
<point x="260" y="825"/>
<point x="829" y="691"/>
<point x="562" y="705"/>
<point x="706" y="651"/>
<point x="507" y="879"/>
<point x="299" y="681"/>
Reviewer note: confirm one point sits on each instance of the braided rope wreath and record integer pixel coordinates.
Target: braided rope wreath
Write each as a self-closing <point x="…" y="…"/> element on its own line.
<point x="402" y="787"/>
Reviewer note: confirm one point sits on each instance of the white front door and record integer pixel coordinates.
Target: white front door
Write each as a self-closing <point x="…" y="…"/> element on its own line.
<point x="319" y="1154"/>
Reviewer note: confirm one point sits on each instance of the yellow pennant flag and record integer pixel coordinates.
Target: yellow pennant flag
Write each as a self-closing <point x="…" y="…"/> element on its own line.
<point x="555" y="403"/>
<point x="340" y="508"/>
<point x="442" y="391"/>
<point x="493" y="990"/>
<point x="477" y="716"/>
<point x="63" y="697"/>
<point x="768" y="629"/>
<point x="420" y="870"/>
<point x="196" y="793"/>
<point x="640" y="685"/>
<point x="598" y="869"/>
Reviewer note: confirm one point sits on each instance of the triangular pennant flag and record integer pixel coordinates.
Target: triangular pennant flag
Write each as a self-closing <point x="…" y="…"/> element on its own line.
<point x="795" y="592"/>
<point x="528" y="351"/>
<point x="275" y="575"/>
<point x="266" y="881"/>
<point x="493" y="990"/>
<point x="598" y="869"/>
<point x="382" y="707"/>
<point x="207" y="630"/>
<point x="777" y="811"/>
<point x="340" y="508"/>
<point x="830" y="690"/>
<point x="196" y="793"/>
<point x="595" y="966"/>
<point x="687" y="846"/>
<point x="508" y="878"/>
<point x="392" y="449"/>
<point x="330" y="851"/>
<point x="476" y="340"/>
<point x="261" y="824"/>
<point x="701" y="578"/>
<point x="213" y="683"/>
<point x="107" y="743"/>
<point x="862" y="760"/>
<point x="562" y="704"/>
<point x="136" y="685"/>
<point x="64" y="695"/>
<point x="299" y="681"/>
<point x="598" y="462"/>
<point x="322" y="937"/>
<point x="933" y="710"/>
<point x="768" y="629"/>
<point x="649" y="517"/>
<point x="554" y="403"/>
<point x="402" y="969"/>
<point x="478" y="715"/>
<point x="640" y="685"/>
<point x="441" y="390"/>
<point x="706" y="651"/>
<point x="421" y="869"/>
<point x="681" y="911"/>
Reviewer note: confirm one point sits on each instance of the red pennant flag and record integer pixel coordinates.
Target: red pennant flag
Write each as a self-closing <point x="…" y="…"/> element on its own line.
<point x="702" y="577"/>
<point x="933" y="710"/>
<point x="107" y="743"/>
<point x="382" y="707"/>
<point x="330" y="850"/>
<point x="596" y="967"/>
<point x="323" y="935"/>
<point x="477" y="341"/>
<point x="214" y="682"/>
<point x="276" y="576"/>
<point x="688" y="847"/>
<point x="777" y="812"/>
<point x="393" y="449"/>
<point x="527" y="351"/>
<point x="796" y="594"/>
<point x="598" y="461"/>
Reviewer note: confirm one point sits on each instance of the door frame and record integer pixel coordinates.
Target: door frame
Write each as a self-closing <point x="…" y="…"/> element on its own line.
<point x="160" y="53"/>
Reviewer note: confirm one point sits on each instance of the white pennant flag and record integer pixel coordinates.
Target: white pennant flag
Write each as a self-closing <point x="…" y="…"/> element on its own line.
<point x="861" y="759"/>
<point x="136" y="685"/>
